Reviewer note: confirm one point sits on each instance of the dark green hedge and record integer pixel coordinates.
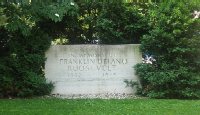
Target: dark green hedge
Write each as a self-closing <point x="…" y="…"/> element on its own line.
<point x="174" y="42"/>
<point x="22" y="47"/>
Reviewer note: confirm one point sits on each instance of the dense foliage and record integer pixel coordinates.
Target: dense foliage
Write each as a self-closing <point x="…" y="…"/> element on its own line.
<point x="103" y="23"/>
<point x="23" y="44"/>
<point x="174" y="43"/>
<point x="121" y="23"/>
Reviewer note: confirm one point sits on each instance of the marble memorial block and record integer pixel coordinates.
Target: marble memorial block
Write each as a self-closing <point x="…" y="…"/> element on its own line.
<point x="92" y="69"/>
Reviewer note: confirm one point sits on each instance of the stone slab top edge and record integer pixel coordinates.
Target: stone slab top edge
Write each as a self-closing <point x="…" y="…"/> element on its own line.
<point x="95" y="44"/>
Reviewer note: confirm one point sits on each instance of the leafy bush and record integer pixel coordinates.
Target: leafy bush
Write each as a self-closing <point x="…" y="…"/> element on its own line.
<point x="121" y="23"/>
<point x="173" y="41"/>
<point x="21" y="69"/>
<point x="23" y="46"/>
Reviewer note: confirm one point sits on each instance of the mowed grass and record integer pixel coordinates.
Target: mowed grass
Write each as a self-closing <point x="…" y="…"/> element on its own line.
<point x="99" y="107"/>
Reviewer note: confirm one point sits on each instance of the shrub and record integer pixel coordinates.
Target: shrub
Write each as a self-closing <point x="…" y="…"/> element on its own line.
<point x="173" y="41"/>
<point x="21" y="70"/>
<point x="26" y="34"/>
<point x="23" y="46"/>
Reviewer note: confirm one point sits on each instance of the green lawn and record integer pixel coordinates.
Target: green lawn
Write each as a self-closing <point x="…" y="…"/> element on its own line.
<point x="99" y="107"/>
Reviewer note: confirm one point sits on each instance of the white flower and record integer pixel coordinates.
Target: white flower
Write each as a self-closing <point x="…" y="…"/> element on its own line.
<point x="72" y="3"/>
<point x="196" y="14"/>
<point x="148" y="59"/>
<point x="57" y="15"/>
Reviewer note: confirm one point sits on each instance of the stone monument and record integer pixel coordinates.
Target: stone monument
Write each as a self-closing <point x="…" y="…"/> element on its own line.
<point x="92" y="70"/>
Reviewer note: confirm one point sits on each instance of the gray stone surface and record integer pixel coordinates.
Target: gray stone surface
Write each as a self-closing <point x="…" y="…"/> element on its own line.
<point x="81" y="70"/>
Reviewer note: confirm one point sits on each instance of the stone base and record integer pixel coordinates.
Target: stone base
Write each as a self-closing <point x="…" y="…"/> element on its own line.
<point x="96" y="96"/>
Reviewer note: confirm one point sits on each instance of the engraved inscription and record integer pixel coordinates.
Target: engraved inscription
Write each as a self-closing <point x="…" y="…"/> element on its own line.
<point x="75" y="64"/>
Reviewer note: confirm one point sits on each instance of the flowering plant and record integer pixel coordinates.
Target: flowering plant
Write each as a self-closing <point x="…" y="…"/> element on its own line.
<point x="196" y="14"/>
<point x="148" y="59"/>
